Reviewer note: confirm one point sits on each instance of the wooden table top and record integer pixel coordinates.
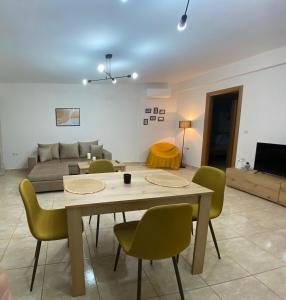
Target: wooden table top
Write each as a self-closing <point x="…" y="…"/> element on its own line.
<point x="116" y="191"/>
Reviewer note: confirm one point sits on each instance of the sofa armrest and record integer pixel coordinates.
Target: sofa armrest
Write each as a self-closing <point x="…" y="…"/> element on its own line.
<point x="32" y="161"/>
<point x="107" y="154"/>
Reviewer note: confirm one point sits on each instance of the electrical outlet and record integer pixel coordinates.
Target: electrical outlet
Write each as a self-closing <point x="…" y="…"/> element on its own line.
<point x="15" y="154"/>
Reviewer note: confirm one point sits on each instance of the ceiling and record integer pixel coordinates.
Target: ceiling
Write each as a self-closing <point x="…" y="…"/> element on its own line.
<point x="62" y="41"/>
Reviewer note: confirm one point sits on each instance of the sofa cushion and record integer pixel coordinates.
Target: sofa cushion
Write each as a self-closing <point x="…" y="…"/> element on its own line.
<point x="97" y="151"/>
<point x="45" y="154"/>
<point x="48" y="171"/>
<point x="84" y="148"/>
<point x="54" y="149"/>
<point x="69" y="151"/>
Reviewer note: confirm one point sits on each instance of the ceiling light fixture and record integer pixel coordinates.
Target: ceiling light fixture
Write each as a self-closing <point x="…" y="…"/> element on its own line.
<point x="107" y="70"/>
<point x="182" y="25"/>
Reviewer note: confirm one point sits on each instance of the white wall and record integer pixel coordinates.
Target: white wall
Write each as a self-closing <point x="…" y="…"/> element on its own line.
<point x="263" y="116"/>
<point x="112" y="114"/>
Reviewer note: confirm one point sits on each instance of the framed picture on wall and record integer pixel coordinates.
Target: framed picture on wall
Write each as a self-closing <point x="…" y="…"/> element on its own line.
<point x="162" y="111"/>
<point x="161" y="119"/>
<point x="67" y="116"/>
<point x="145" y="121"/>
<point x="152" y="118"/>
<point x="148" y="110"/>
<point x="155" y="110"/>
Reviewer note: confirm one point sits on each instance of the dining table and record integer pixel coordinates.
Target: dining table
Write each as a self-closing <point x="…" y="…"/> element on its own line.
<point x="116" y="196"/>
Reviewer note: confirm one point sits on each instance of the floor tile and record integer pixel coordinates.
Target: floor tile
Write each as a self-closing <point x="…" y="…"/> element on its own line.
<point x="163" y="279"/>
<point x="121" y="284"/>
<point x="221" y="270"/>
<point x="251" y="257"/>
<point x="206" y="293"/>
<point x="20" y="281"/>
<point x="275" y="280"/>
<point x="247" y="289"/>
<point x="57" y="281"/>
<point x="20" y="253"/>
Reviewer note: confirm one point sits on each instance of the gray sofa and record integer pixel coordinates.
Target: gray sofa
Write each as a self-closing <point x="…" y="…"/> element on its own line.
<point x="47" y="174"/>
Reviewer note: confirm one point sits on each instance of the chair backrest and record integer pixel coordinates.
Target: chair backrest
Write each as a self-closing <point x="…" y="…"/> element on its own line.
<point x="32" y="207"/>
<point x="164" y="231"/>
<point x="213" y="179"/>
<point x="101" y="166"/>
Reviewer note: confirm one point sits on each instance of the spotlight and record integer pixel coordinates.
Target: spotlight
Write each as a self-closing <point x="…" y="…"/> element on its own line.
<point x="101" y="68"/>
<point x="183" y="23"/>
<point x="134" y="75"/>
<point x="84" y="82"/>
<point x="114" y="80"/>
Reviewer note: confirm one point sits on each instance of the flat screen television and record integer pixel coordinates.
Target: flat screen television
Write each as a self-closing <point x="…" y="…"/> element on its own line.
<point x="270" y="158"/>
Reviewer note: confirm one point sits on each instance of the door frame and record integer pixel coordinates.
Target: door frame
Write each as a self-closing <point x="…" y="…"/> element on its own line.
<point x="208" y="122"/>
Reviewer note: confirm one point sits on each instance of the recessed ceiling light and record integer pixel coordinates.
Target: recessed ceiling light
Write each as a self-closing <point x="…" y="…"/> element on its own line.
<point x="124" y="1"/>
<point x="84" y="82"/>
<point x="101" y="68"/>
<point x="134" y="75"/>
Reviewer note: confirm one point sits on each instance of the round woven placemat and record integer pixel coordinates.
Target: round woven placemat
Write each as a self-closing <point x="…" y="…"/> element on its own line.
<point x="84" y="186"/>
<point x="167" y="180"/>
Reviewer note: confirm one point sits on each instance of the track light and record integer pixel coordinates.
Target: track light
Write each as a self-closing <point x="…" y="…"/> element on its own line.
<point x="182" y="25"/>
<point x="134" y="75"/>
<point x="114" y="80"/>
<point x="84" y="82"/>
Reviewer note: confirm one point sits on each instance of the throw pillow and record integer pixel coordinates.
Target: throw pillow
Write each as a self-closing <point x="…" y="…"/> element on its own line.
<point x="69" y="150"/>
<point x="55" y="149"/>
<point x="84" y="148"/>
<point x="97" y="151"/>
<point x="45" y="154"/>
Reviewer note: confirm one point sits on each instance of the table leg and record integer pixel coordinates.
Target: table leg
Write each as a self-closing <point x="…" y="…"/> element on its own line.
<point x="201" y="234"/>
<point x="76" y="252"/>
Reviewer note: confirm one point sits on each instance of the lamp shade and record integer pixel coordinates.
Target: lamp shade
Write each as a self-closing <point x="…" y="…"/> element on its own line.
<point x="185" y="124"/>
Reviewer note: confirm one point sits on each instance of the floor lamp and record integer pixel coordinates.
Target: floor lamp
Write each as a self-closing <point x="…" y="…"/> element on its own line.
<point x="184" y="125"/>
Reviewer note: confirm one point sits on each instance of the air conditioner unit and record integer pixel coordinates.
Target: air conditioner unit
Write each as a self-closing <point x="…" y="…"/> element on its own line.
<point x="163" y="93"/>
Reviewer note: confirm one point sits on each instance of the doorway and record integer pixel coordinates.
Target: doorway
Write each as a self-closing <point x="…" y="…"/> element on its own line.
<point x="221" y="127"/>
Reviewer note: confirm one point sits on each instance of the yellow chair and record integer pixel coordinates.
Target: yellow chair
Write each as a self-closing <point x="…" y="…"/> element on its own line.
<point x="213" y="179"/>
<point x="101" y="166"/>
<point x="163" y="232"/>
<point x="164" y="155"/>
<point x="45" y="225"/>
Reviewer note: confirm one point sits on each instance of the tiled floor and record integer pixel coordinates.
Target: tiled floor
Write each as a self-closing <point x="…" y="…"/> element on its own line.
<point x="251" y="234"/>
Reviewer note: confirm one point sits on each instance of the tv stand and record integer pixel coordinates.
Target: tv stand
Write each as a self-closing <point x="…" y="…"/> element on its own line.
<point x="267" y="186"/>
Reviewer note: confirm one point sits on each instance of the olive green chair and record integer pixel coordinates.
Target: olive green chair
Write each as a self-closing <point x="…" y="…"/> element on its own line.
<point x="45" y="225"/>
<point x="101" y="166"/>
<point x="213" y="179"/>
<point x="163" y="232"/>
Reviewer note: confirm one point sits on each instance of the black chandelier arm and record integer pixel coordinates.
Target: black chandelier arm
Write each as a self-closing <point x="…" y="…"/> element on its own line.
<point x="109" y="78"/>
<point x="95" y="80"/>
<point x="123" y="76"/>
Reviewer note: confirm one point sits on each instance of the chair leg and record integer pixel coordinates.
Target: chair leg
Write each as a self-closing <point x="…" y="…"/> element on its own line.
<point x="117" y="258"/>
<point x="124" y="217"/>
<point x="177" y="258"/>
<point x="114" y="216"/>
<point x="89" y="219"/>
<point x="192" y="229"/>
<point x="37" y="254"/>
<point x="214" y="238"/>
<point x="151" y="262"/>
<point x="97" y="230"/>
<point x="178" y="277"/>
<point x="139" y="279"/>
